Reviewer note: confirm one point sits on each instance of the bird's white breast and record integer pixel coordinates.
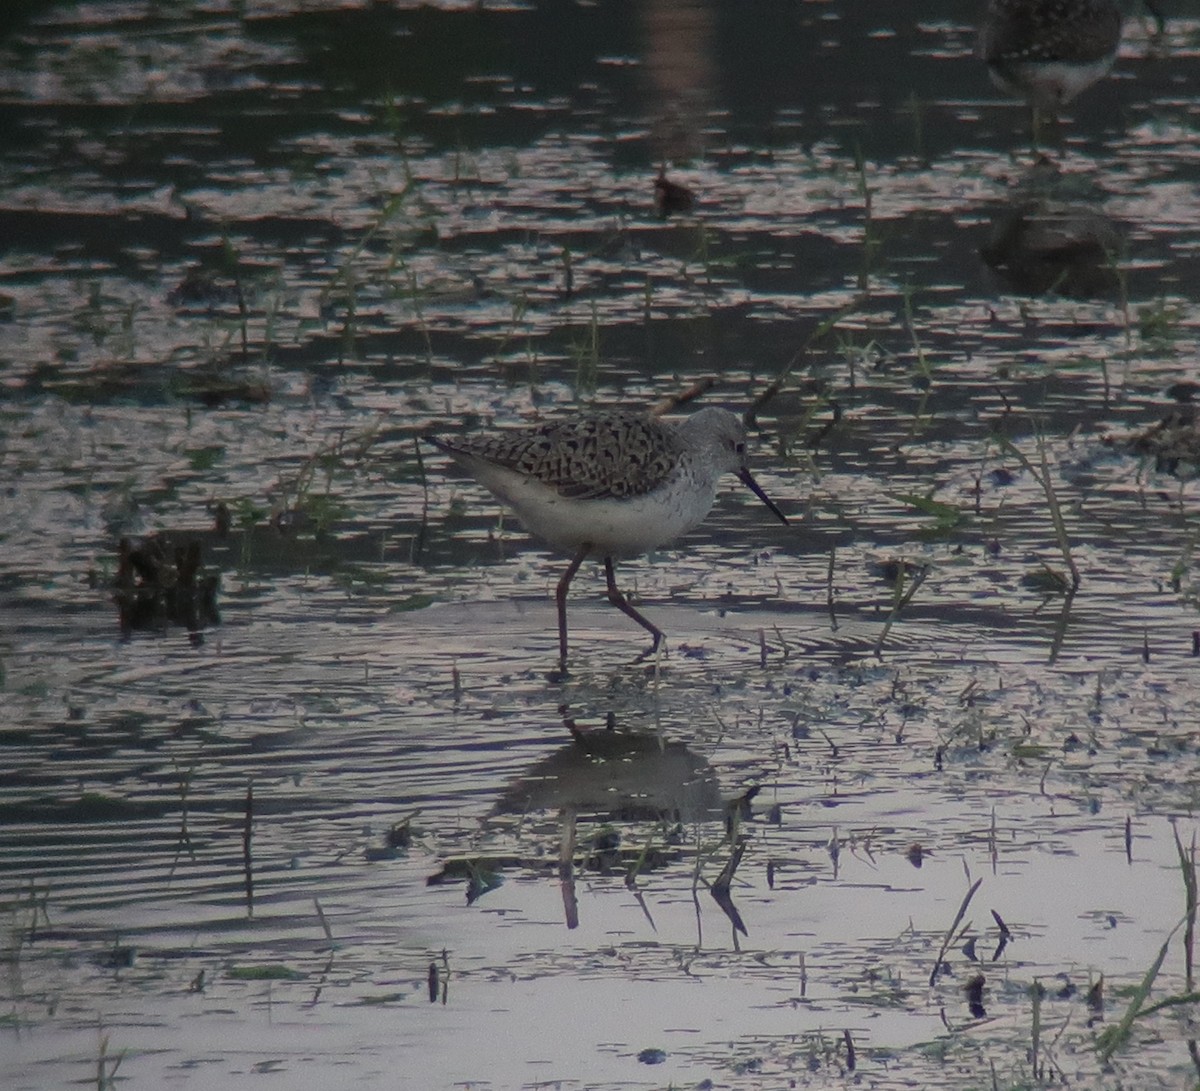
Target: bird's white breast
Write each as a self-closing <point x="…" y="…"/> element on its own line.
<point x="625" y="527"/>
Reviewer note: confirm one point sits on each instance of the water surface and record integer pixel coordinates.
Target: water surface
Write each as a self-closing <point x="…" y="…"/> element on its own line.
<point x="253" y="251"/>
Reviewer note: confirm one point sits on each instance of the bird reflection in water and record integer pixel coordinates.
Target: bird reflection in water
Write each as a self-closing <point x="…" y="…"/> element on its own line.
<point x="1049" y="238"/>
<point x="605" y="777"/>
<point x="680" y="67"/>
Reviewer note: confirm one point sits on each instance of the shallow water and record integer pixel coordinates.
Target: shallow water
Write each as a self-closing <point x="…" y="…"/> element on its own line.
<point x="255" y="250"/>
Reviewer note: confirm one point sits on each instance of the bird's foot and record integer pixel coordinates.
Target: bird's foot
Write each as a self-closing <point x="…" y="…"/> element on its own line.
<point x="656" y="651"/>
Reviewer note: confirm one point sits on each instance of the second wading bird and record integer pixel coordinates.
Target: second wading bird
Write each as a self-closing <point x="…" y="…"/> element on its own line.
<point x="609" y="484"/>
<point x="1048" y="51"/>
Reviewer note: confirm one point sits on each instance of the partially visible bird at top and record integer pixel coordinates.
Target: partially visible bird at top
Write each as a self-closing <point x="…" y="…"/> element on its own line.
<point x="1048" y="51"/>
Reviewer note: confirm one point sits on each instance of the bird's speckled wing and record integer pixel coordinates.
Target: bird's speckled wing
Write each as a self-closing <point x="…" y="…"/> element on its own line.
<point x="590" y="456"/>
<point x="1078" y="31"/>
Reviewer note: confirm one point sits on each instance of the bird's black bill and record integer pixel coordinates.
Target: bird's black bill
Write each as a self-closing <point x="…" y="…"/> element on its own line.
<point x="747" y="479"/>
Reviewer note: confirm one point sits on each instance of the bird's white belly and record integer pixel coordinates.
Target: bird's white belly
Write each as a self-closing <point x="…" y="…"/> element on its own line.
<point x="1048" y="84"/>
<point x="627" y="527"/>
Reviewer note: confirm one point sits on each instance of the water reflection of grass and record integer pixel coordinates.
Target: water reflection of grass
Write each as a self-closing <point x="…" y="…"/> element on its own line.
<point x="271" y="971"/>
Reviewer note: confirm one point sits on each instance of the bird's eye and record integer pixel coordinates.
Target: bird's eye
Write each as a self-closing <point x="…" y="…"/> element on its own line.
<point x="739" y="448"/>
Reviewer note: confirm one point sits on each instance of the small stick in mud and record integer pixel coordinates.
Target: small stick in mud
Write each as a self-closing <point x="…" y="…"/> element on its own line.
<point x="439" y="979"/>
<point x="247" y="860"/>
<point x="829" y="601"/>
<point x="566" y="867"/>
<point x="323" y="919"/>
<point x="673" y="401"/>
<point x="423" y="529"/>
<point x="568" y="281"/>
<point x="1037" y="992"/>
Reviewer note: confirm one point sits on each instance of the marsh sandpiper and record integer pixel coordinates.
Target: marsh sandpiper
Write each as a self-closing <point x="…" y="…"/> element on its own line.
<point x="1048" y="51"/>
<point x="609" y="484"/>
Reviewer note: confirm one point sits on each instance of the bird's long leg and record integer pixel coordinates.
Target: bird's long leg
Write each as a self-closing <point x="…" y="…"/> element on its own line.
<point x="622" y="604"/>
<point x="560" y="597"/>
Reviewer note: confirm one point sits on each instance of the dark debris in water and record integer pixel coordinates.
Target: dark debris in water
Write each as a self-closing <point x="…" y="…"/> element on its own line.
<point x="207" y="290"/>
<point x="117" y="957"/>
<point x="213" y="389"/>
<point x="396" y="841"/>
<point x="671" y="197"/>
<point x="159" y="584"/>
<point x="1171" y="442"/>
